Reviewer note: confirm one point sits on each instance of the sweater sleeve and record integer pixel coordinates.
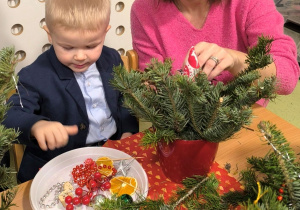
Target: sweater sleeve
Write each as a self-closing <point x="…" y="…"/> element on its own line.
<point x="144" y="30"/>
<point x="264" y="19"/>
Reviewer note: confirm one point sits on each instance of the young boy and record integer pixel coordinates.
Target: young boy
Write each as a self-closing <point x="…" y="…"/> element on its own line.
<point x="66" y="100"/>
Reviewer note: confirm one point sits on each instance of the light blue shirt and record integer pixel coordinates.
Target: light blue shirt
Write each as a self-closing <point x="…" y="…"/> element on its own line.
<point x="102" y="125"/>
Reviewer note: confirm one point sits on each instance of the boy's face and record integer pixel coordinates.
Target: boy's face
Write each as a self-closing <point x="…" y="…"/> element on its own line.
<point x="76" y="49"/>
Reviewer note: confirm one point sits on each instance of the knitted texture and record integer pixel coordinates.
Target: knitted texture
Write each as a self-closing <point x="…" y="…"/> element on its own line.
<point x="160" y="30"/>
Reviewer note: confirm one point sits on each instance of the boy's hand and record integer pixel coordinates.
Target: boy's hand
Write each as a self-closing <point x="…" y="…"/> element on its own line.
<point x="52" y="135"/>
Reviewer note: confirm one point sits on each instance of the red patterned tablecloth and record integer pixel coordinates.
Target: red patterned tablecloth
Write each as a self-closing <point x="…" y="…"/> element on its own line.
<point x="159" y="184"/>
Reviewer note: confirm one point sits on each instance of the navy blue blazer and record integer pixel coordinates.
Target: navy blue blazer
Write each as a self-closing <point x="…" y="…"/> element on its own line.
<point x="49" y="91"/>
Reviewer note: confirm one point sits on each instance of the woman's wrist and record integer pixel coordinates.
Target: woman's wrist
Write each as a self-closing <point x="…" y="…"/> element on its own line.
<point x="239" y="61"/>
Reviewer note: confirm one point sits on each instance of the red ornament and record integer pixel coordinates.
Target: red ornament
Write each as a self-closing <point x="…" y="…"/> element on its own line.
<point x="78" y="191"/>
<point x="76" y="201"/>
<point x="88" y="161"/>
<point x="106" y="185"/>
<point x="97" y="176"/>
<point x="279" y="197"/>
<point x="85" y="200"/>
<point x="92" y="184"/>
<point x="90" y="194"/>
<point x="69" y="207"/>
<point x="281" y="190"/>
<point x="68" y="199"/>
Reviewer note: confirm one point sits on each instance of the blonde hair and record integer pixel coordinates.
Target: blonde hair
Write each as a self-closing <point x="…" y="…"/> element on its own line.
<point x="77" y="14"/>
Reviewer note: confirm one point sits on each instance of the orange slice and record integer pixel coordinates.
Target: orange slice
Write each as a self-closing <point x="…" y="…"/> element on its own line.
<point x="105" y="165"/>
<point x="123" y="185"/>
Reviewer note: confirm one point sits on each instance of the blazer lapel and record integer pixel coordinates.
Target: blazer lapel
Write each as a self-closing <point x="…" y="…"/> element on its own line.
<point x="68" y="79"/>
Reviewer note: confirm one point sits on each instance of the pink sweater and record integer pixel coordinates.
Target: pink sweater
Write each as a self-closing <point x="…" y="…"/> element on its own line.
<point x="159" y="30"/>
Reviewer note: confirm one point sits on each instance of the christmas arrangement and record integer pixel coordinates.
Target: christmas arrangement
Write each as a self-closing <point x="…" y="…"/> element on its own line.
<point x="180" y="107"/>
<point x="8" y="79"/>
<point x="272" y="182"/>
<point x="91" y="182"/>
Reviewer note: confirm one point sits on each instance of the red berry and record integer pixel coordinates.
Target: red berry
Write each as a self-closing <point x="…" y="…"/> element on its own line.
<point x="88" y="161"/>
<point x="76" y="200"/>
<point x="106" y="185"/>
<point x="68" y="199"/>
<point x="85" y="200"/>
<point x="69" y="207"/>
<point x="78" y="191"/>
<point x="281" y="190"/>
<point x="90" y="194"/>
<point x="279" y="197"/>
<point x="97" y="176"/>
<point x="93" y="184"/>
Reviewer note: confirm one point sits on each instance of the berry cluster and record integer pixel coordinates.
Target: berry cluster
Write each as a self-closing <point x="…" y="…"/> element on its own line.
<point x="281" y="191"/>
<point x="85" y="196"/>
<point x="84" y="172"/>
<point x="88" y="175"/>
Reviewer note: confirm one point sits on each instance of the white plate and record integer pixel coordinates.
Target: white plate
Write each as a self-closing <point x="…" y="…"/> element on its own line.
<point x="59" y="169"/>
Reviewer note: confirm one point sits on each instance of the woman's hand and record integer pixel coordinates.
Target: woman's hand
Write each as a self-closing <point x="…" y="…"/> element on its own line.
<point x="52" y="135"/>
<point x="214" y="59"/>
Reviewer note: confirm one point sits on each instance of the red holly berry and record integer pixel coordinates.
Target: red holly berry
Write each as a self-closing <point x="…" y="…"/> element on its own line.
<point x="88" y="161"/>
<point x="68" y="199"/>
<point x="90" y="194"/>
<point x="76" y="200"/>
<point x="92" y="184"/>
<point x="78" y="191"/>
<point x="106" y="185"/>
<point x="279" y="197"/>
<point x="114" y="171"/>
<point x="69" y="207"/>
<point x="97" y="176"/>
<point x="85" y="200"/>
<point x="281" y="190"/>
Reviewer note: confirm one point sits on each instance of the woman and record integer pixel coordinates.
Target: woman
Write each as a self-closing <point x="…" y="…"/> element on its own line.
<point x="221" y="32"/>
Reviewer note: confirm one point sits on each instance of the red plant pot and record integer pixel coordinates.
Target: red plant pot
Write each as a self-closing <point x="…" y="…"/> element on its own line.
<point x="185" y="158"/>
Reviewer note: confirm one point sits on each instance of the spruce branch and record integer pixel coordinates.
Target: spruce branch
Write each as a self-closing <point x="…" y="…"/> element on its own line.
<point x="285" y="160"/>
<point x="8" y="82"/>
<point x="193" y="108"/>
<point x="7" y="197"/>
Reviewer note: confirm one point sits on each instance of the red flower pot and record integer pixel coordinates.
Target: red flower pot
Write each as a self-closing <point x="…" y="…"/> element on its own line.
<point x="185" y="158"/>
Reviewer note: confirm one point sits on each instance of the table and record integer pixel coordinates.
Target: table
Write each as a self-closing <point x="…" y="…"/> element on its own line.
<point x="234" y="151"/>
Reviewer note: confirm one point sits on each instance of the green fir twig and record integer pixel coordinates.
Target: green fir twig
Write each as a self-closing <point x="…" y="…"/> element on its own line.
<point x="186" y="108"/>
<point x="8" y="82"/>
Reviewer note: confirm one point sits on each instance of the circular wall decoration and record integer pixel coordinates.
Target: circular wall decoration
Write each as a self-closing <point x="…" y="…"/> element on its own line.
<point x="17" y="29"/>
<point x="13" y="3"/>
<point x="120" y="6"/>
<point x="21" y="55"/>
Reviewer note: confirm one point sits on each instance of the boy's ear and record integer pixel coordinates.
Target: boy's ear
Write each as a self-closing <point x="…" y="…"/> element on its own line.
<point x="108" y="27"/>
<point x="48" y="33"/>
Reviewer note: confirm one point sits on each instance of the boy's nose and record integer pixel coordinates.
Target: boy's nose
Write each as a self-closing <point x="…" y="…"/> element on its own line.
<point x="80" y="55"/>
